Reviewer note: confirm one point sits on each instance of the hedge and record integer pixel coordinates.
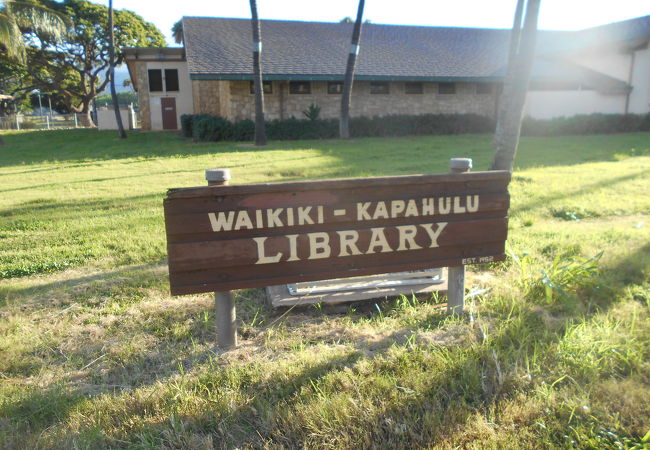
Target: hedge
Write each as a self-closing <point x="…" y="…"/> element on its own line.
<point x="586" y="124"/>
<point x="204" y="127"/>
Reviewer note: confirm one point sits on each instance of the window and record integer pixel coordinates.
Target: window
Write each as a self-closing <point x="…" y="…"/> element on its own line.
<point x="334" y="87"/>
<point x="446" y="88"/>
<point x="267" y="86"/>
<point x="379" y="88"/>
<point x="413" y="88"/>
<point x="299" y="87"/>
<point x="171" y="80"/>
<point x="155" y="80"/>
<point x="484" y="88"/>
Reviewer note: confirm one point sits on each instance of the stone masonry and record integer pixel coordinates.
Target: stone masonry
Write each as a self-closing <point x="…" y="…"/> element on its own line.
<point x="233" y="100"/>
<point x="211" y="97"/>
<point x="143" y="95"/>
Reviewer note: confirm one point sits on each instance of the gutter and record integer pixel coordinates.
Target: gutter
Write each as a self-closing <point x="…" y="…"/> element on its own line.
<point x="336" y="77"/>
<point x="629" y="82"/>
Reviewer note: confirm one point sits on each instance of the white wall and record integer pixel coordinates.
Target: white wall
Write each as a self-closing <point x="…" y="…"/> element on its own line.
<point x="640" y="95"/>
<point x="616" y="65"/>
<point x="106" y="119"/>
<point x="184" y="100"/>
<point x="550" y="104"/>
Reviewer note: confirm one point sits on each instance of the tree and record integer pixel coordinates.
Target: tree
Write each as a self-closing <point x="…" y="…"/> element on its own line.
<point x="260" y="132"/>
<point x="78" y="68"/>
<point x="346" y="98"/>
<point x="520" y="62"/>
<point x="111" y="71"/>
<point x="177" y="32"/>
<point x="16" y="16"/>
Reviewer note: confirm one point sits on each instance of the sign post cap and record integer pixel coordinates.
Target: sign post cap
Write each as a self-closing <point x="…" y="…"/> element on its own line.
<point x="217" y="175"/>
<point x="460" y="164"/>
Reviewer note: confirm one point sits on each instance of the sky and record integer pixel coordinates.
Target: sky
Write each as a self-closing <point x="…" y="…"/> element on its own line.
<point x="554" y="14"/>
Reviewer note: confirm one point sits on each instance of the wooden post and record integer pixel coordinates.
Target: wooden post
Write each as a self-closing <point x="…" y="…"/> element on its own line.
<point x="456" y="275"/>
<point x="224" y="302"/>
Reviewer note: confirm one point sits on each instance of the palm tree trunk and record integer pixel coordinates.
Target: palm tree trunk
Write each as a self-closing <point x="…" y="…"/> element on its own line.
<point x="346" y="98"/>
<point x="111" y="51"/>
<point x="260" y="132"/>
<point x="515" y="36"/>
<point x="522" y="48"/>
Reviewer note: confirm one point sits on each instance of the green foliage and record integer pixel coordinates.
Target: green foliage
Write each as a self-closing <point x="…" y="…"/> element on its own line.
<point x="560" y="281"/>
<point x="315" y="128"/>
<point x="586" y="124"/>
<point x="77" y="68"/>
<point x="425" y="124"/>
<point x="16" y="16"/>
<point x="124" y="98"/>
<point x="211" y="128"/>
<point x="565" y="275"/>
<point x="312" y="112"/>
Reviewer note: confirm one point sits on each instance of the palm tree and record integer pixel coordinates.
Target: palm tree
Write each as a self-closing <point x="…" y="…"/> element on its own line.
<point x="177" y="32"/>
<point x="346" y="98"/>
<point x="515" y="88"/>
<point x="17" y="15"/>
<point x="260" y="132"/>
<point x="111" y="71"/>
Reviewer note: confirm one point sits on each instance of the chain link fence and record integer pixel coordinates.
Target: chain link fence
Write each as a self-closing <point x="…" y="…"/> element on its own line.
<point x="45" y="122"/>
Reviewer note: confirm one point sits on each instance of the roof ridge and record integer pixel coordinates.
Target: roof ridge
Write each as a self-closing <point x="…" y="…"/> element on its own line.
<point x="372" y="24"/>
<point x="619" y="22"/>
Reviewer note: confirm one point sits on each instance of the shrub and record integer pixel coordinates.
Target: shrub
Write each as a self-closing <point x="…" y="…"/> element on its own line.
<point x="586" y="124"/>
<point x="243" y="130"/>
<point x="186" y="124"/>
<point x="210" y="128"/>
<point x="312" y="112"/>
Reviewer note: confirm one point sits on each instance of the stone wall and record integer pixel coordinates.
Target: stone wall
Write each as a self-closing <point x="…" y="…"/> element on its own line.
<point x="280" y="104"/>
<point x="144" y="105"/>
<point x="211" y="97"/>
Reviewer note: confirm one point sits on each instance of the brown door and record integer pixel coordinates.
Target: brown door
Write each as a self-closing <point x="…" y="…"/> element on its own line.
<point x="168" y="106"/>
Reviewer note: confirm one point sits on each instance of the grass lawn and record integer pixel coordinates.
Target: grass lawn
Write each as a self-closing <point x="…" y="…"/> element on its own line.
<point x="95" y="353"/>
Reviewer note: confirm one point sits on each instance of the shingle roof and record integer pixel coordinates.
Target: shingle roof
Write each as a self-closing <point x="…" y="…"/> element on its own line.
<point x="312" y="50"/>
<point x="224" y="46"/>
<point x="622" y="35"/>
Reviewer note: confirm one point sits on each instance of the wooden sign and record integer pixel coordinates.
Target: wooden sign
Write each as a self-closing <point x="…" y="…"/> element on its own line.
<point x="231" y="237"/>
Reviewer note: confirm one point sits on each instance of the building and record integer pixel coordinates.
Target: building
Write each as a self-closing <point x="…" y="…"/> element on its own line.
<point x="400" y="70"/>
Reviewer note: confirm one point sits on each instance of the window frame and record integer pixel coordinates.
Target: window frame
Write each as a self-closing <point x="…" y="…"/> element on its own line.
<point x="330" y="84"/>
<point x="294" y="84"/>
<point x="489" y="86"/>
<point x="447" y="85"/>
<point x="374" y="85"/>
<point x="411" y="84"/>
<point x="149" y="80"/>
<point x="265" y="84"/>
<point x="165" y="78"/>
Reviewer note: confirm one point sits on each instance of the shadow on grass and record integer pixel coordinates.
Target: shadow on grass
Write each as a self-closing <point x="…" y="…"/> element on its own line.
<point x="469" y="380"/>
<point x="600" y="184"/>
<point x="411" y="154"/>
<point x="78" y="206"/>
<point x="141" y="175"/>
<point x="35" y="293"/>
